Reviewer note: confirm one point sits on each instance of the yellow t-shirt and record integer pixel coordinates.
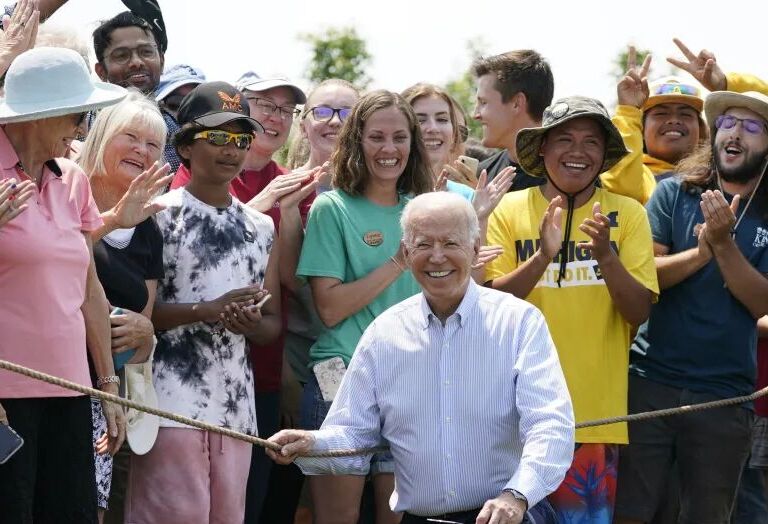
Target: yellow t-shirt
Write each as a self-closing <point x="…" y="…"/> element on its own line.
<point x="591" y="336"/>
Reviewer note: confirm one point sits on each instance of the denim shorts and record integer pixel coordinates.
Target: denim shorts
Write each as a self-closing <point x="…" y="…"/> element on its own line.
<point x="314" y="409"/>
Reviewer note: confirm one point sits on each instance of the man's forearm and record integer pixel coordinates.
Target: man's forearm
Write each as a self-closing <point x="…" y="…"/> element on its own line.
<point x="743" y="281"/>
<point x="673" y="269"/>
<point x="522" y="280"/>
<point x="631" y="298"/>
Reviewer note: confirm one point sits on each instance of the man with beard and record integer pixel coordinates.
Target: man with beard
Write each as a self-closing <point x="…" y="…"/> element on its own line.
<point x="710" y="232"/>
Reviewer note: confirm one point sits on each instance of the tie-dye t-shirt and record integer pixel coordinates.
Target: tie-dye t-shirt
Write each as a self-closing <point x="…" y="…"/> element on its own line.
<point x="201" y="370"/>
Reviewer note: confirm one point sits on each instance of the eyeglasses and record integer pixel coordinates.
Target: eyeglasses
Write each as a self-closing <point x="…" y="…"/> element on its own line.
<point x="122" y="55"/>
<point x="751" y="126"/>
<point x="222" y="138"/>
<point x="268" y="108"/>
<point x="325" y="113"/>
<point x="676" y="89"/>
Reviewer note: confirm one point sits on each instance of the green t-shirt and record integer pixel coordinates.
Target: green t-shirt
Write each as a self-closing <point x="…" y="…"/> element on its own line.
<point x="347" y="238"/>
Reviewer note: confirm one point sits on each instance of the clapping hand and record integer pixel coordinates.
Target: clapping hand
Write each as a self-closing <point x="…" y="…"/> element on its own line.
<point x="719" y="217"/>
<point x="489" y="194"/>
<point x="13" y="194"/>
<point x="550" y="230"/>
<point x="485" y="255"/>
<point x="598" y="228"/>
<point x="632" y="89"/>
<point x="703" y="67"/>
<point x="135" y="207"/>
<point x="277" y="188"/>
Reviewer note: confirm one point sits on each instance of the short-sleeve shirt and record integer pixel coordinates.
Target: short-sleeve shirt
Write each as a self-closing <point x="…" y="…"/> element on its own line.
<point x="201" y="370"/>
<point x="124" y="268"/>
<point x="44" y="263"/>
<point x="496" y="163"/>
<point x="348" y="237"/>
<point x="591" y="336"/>
<point x="699" y="336"/>
<point x="267" y="360"/>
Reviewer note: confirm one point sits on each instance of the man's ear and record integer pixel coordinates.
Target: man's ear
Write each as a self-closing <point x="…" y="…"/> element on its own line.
<point x="183" y="151"/>
<point x="543" y="143"/>
<point x="519" y="101"/>
<point x="101" y="71"/>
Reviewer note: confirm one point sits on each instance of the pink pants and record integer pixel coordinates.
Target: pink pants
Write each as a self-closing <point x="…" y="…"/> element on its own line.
<point x="189" y="476"/>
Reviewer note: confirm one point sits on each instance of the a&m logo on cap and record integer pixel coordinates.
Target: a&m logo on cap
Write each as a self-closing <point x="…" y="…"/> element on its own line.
<point x="230" y="103"/>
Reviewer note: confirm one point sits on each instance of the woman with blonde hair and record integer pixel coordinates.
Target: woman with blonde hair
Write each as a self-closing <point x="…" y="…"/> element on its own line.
<point x="121" y="157"/>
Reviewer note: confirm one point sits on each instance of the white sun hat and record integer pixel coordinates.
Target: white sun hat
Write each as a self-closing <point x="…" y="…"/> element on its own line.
<point x="46" y="82"/>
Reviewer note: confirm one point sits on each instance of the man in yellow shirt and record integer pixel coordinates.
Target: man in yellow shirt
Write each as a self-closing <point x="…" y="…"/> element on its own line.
<point x="662" y="124"/>
<point x="593" y="282"/>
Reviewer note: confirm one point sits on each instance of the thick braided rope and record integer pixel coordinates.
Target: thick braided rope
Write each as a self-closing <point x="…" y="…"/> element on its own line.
<point x="95" y="393"/>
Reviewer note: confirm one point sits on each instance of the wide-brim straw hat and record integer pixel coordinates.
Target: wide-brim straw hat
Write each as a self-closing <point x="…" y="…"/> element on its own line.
<point x="529" y="140"/>
<point x="47" y="82"/>
<point x="718" y="102"/>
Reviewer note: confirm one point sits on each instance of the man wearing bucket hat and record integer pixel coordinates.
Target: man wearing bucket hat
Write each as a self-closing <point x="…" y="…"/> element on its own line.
<point x="606" y="263"/>
<point x="710" y="237"/>
<point x="47" y="272"/>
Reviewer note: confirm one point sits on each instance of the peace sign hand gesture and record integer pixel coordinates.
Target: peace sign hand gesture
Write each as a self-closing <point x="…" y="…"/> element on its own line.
<point x="632" y="89"/>
<point x="703" y="67"/>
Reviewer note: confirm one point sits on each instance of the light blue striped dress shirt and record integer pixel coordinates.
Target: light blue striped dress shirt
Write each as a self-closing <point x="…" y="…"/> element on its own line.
<point x="468" y="409"/>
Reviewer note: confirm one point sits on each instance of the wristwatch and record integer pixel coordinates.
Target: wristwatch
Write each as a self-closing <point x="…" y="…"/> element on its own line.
<point x="517" y="495"/>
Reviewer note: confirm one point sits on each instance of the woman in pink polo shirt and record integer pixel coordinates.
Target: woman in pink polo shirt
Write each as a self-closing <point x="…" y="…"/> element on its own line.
<point x="52" y="299"/>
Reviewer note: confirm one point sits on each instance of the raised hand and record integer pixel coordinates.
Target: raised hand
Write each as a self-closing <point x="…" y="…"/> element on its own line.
<point x="489" y="194"/>
<point x="487" y="254"/>
<point x="297" y="196"/>
<point x="550" y="230"/>
<point x="719" y="216"/>
<point x="277" y="188"/>
<point x="13" y="194"/>
<point x="598" y="228"/>
<point x="19" y="31"/>
<point x="135" y="207"/>
<point x="461" y="173"/>
<point x="632" y="89"/>
<point x="703" y="67"/>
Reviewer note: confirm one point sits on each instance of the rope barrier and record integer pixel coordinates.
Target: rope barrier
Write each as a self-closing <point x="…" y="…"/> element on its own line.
<point x="95" y="393"/>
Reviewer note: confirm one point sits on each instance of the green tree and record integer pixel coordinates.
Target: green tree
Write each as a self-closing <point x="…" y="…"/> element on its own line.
<point x="462" y="89"/>
<point x="338" y="53"/>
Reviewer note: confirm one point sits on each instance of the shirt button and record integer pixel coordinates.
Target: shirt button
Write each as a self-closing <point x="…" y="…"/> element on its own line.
<point x="447" y="419"/>
<point x="452" y="493"/>
<point x="447" y="382"/>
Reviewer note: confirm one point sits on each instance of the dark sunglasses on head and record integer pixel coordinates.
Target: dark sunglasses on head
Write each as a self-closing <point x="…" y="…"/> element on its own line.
<point x="751" y="126"/>
<point x="222" y="138"/>
<point x="325" y="113"/>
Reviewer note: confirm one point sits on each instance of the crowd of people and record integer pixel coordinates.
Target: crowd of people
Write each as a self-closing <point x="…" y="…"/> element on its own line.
<point x="456" y="307"/>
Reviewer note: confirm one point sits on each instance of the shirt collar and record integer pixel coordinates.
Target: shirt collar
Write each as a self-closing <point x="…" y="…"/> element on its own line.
<point x="8" y="157"/>
<point x="463" y="311"/>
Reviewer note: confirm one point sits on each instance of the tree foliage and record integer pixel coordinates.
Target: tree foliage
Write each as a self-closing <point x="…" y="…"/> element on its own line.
<point x="338" y="53"/>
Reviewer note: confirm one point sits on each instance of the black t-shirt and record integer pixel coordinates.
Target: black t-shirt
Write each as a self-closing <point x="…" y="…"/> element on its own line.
<point x="499" y="161"/>
<point x="123" y="272"/>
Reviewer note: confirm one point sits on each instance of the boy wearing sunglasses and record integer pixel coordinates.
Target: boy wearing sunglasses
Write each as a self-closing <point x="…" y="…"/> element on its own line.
<point x="710" y="235"/>
<point x="220" y="259"/>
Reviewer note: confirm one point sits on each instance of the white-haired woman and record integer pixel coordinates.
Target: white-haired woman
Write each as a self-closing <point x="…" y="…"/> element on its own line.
<point x="121" y="157"/>
<point x="52" y="299"/>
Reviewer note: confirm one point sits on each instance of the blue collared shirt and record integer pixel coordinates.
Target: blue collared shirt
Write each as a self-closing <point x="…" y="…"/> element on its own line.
<point x="468" y="408"/>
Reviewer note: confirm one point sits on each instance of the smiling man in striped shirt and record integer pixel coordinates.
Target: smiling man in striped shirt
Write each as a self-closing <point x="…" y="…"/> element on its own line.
<point x="463" y="383"/>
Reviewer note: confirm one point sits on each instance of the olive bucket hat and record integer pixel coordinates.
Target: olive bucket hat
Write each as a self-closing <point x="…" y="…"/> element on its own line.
<point x="529" y="140"/>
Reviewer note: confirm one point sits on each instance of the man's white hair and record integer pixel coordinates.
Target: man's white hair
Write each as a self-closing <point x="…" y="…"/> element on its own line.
<point x="442" y="201"/>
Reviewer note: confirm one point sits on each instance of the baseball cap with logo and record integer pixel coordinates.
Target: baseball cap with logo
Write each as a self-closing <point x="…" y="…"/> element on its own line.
<point x="214" y="104"/>
<point x="673" y="90"/>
